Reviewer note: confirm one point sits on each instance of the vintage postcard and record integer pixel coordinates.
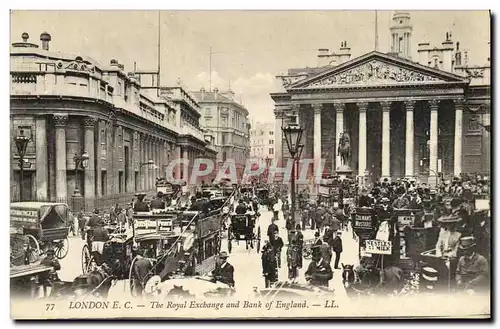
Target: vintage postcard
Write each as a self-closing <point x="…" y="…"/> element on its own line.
<point x="250" y="164"/>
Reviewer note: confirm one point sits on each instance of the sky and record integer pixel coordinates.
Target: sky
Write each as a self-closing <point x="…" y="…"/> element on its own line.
<point x="249" y="47"/>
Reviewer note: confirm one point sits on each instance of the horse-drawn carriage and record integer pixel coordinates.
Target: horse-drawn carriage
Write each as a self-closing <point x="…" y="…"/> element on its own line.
<point x="42" y="225"/>
<point x="263" y="196"/>
<point x="244" y="227"/>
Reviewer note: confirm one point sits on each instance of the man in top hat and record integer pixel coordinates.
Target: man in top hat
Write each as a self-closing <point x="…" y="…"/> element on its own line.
<point x="95" y="219"/>
<point x="364" y="200"/>
<point x="401" y="201"/>
<point x="223" y="272"/>
<point x="158" y="203"/>
<point x="319" y="272"/>
<point x="472" y="269"/>
<point x="337" y="248"/>
<point x="140" y="205"/>
<point x="47" y="279"/>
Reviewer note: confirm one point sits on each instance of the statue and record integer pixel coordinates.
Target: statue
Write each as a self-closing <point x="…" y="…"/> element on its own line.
<point x="344" y="149"/>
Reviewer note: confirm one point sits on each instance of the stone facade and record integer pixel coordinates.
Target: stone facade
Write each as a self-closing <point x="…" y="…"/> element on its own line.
<point x="70" y="105"/>
<point x="404" y="118"/>
<point x="227" y="121"/>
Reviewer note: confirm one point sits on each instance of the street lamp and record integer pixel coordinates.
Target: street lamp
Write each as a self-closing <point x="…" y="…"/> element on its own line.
<point x="21" y="144"/>
<point x="293" y="135"/>
<point x="81" y="161"/>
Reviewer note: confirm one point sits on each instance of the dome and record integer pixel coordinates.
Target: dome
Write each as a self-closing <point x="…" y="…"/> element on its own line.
<point x="45" y="36"/>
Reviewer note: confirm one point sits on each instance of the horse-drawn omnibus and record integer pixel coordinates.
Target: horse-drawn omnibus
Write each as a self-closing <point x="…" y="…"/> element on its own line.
<point x="44" y="225"/>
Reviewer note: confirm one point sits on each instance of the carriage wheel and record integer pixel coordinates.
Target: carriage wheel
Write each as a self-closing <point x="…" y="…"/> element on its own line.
<point x="131" y="280"/>
<point x="61" y="249"/>
<point x="34" y="249"/>
<point x="87" y="260"/>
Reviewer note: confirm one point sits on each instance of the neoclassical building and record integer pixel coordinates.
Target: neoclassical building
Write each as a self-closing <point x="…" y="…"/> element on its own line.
<point x="70" y="105"/>
<point x="404" y="117"/>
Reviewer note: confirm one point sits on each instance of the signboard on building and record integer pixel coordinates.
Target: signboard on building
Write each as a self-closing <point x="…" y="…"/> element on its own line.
<point x="379" y="247"/>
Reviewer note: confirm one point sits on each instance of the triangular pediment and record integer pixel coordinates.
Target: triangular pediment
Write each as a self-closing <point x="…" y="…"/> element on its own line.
<point x="376" y="69"/>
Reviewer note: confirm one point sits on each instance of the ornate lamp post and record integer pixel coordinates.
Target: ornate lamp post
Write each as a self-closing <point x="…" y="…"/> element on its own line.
<point x="21" y="145"/>
<point x="293" y="135"/>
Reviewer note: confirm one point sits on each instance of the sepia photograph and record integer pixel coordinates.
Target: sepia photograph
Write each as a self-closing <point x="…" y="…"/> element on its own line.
<point x="305" y="164"/>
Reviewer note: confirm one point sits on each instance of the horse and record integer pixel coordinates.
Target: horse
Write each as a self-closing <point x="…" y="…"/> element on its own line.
<point x="344" y="149"/>
<point x="388" y="281"/>
<point x="96" y="282"/>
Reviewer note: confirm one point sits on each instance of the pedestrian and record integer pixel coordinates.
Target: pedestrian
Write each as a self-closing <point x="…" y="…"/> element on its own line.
<point x="112" y="215"/>
<point x="269" y="264"/>
<point x="292" y="259"/>
<point x="319" y="272"/>
<point x="130" y="215"/>
<point x="300" y="243"/>
<point x="122" y="218"/>
<point x="276" y="209"/>
<point x="81" y="223"/>
<point x="277" y="244"/>
<point x="337" y="248"/>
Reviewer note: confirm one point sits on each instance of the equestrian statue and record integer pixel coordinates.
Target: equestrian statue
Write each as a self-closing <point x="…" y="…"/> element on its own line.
<point x="344" y="149"/>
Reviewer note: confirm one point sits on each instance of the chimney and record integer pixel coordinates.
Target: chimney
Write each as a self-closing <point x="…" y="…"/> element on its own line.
<point x="323" y="57"/>
<point x="25" y="36"/>
<point x="345" y="52"/>
<point x="202" y="90"/>
<point x="45" y="38"/>
<point x="423" y="53"/>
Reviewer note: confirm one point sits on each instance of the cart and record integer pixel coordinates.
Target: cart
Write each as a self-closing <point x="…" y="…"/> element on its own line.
<point x="44" y="225"/>
<point x="244" y="228"/>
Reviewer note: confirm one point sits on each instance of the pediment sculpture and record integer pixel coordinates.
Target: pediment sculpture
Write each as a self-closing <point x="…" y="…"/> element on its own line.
<point x="374" y="72"/>
<point x="289" y="80"/>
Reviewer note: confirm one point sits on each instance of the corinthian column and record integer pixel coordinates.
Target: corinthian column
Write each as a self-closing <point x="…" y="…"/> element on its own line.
<point x="339" y="129"/>
<point x="457" y="168"/>
<point x="60" y="122"/>
<point x="42" y="174"/>
<point x="317" y="138"/>
<point x="362" y="138"/>
<point x="410" y="105"/>
<point x="433" y="147"/>
<point x="89" y="126"/>
<point x="386" y="138"/>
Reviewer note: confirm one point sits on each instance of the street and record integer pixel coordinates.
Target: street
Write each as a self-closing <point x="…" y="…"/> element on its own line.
<point x="247" y="263"/>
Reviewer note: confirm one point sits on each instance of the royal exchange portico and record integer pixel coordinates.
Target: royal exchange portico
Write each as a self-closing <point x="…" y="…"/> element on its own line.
<point x="403" y="118"/>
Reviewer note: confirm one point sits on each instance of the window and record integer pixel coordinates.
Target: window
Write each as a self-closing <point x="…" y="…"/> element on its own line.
<point x="224" y="156"/>
<point x="271" y="141"/>
<point x="473" y="124"/>
<point x="208" y="121"/>
<point x="224" y="138"/>
<point x="208" y="112"/>
<point x="271" y="151"/>
<point x="271" y="133"/>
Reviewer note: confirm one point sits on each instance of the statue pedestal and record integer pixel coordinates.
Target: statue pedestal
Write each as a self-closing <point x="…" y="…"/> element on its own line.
<point x="344" y="171"/>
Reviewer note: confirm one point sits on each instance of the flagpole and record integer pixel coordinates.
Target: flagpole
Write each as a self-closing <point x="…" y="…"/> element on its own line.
<point x="376" y="30"/>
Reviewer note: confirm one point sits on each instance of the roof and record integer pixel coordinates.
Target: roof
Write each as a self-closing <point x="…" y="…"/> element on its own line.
<point x="34" y="205"/>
